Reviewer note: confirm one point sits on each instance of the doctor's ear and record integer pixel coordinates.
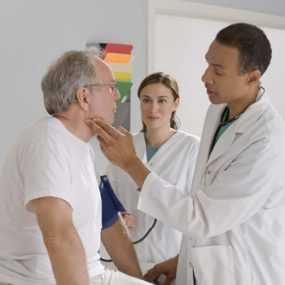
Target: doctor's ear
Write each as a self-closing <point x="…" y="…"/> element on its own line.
<point x="254" y="76"/>
<point x="82" y="96"/>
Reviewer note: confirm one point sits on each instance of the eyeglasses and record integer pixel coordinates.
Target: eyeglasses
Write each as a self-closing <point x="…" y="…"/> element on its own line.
<point x="112" y="86"/>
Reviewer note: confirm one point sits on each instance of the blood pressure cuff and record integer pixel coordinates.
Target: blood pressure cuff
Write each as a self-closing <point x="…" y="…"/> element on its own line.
<point x="111" y="205"/>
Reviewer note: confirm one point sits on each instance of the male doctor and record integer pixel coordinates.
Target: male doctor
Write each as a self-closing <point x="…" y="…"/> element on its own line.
<point x="234" y="221"/>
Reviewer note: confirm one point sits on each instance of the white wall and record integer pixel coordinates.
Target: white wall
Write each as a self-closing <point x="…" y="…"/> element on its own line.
<point x="179" y="34"/>
<point x="183" y="55"/>
<point x="34" y="32"/>
<point x="276" y="7"/>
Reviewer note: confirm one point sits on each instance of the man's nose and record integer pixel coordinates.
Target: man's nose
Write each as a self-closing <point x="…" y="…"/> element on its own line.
<point x="206" y="77"/>
<point x="116" y="94"/>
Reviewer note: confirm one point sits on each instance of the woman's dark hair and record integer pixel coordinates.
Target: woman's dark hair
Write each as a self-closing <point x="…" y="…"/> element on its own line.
<point x="170" y="83"/>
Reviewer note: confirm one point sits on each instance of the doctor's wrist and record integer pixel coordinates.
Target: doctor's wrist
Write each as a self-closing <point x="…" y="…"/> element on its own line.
<point x="137" y="170"/>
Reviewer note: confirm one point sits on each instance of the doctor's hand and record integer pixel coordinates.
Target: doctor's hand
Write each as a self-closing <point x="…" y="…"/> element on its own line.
<point x="90" y="122"/>
<point x="116" y="144"/>
<point x="167" y="268"/>
<point x="118" y="147"/>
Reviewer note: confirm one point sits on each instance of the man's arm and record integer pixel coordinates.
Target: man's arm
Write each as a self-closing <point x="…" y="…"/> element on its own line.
<point x="62" y="241"/>
<point x="120" y="248"/>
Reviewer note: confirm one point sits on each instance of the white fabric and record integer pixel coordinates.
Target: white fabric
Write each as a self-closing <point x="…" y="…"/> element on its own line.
<point x="116" y="278"/>
<point x="174" y="161"/>
<point x="111" y="278"/>
<point x="236" y="215"/>
<point x="46" y="161"/>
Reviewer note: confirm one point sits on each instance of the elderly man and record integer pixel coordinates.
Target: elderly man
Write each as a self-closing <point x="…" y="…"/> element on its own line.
<point x="50" y="205"/>
<point x="234" y="220"/>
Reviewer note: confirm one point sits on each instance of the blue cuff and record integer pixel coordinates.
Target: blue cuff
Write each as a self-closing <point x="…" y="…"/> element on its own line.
<point x="111" y="205"/>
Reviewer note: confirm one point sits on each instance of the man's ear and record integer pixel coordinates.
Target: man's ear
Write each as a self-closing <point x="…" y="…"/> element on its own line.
<point x="254" y="76"/>
<point x="82" y="96"/>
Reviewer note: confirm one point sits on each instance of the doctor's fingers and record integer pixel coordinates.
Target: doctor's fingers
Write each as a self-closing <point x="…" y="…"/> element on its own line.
<point x="110" y="153"/>
<point x="152" y="274"/>
<point x="105" y="138"/>
<point x="128" y="137"/>
<point x="124" y="131"/>
<point x="167" y="281"/>
<point x="107" y="128"/>
<point x="97" y="130"/>
<point x="93" y="126"/>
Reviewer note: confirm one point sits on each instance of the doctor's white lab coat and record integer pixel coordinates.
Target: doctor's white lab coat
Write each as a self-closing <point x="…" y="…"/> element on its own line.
<point x="235" y="218"/>
<point x="175" y="162"/>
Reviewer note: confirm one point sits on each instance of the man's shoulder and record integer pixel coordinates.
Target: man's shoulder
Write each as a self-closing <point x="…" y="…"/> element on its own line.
<point x="40" y="135"/>
<point x="40" y="127"/>
<point x="268" y="121"/>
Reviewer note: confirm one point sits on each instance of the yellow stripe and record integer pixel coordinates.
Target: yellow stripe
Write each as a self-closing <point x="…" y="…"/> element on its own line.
<point x="123" y="76"/>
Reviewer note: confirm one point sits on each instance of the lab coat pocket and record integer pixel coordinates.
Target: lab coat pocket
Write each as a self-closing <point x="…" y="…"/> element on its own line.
<point x="209" y="176"/>
<point x="213" y="265"/>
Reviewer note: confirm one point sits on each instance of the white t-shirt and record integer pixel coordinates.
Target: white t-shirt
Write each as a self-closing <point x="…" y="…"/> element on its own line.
<point x="47" y="160"/>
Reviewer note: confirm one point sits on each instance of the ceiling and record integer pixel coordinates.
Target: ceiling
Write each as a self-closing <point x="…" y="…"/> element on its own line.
<point x="275" y="7"/>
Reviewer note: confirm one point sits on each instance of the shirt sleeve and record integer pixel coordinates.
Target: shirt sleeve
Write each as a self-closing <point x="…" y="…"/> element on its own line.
<point x="45" y="170"/>
<point x="191" y="165"/>
<point x="238" y="192"/>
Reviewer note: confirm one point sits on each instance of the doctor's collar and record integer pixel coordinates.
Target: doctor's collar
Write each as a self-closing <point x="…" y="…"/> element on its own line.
<point x="225" y="117"/>
<point x="226" y="113"/>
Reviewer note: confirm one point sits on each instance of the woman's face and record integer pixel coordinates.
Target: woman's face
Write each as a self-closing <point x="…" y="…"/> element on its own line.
<point x="157" y="105"/>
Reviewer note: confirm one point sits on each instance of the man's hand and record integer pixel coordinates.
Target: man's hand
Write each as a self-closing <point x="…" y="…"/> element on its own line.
<point x="167" y="268"/>
<point x="129" y="220"/>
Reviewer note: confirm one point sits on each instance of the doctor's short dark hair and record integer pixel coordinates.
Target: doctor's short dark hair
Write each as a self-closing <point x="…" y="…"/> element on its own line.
<point x="252" y="43"/>
<point x="167" y="81"/>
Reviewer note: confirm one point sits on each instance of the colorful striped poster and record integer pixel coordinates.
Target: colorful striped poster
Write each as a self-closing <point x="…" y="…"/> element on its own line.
<point x="119" y="57"/>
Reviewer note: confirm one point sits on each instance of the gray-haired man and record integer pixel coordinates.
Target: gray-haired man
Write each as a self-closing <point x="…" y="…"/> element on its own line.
<point x="50" y="205"/>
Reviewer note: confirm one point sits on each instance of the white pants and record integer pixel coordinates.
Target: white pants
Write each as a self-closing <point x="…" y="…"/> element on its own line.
<point x="112" y="278"/>
<point x="116" y="278"/>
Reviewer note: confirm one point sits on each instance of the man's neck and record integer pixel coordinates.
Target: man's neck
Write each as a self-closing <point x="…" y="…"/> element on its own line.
<point x="75" y="125"/>
<point x="238" y="107"/>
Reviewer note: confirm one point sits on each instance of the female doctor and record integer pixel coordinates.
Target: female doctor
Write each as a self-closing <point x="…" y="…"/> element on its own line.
<point x="163" y="148"/>
<point x="235" y="216"/>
